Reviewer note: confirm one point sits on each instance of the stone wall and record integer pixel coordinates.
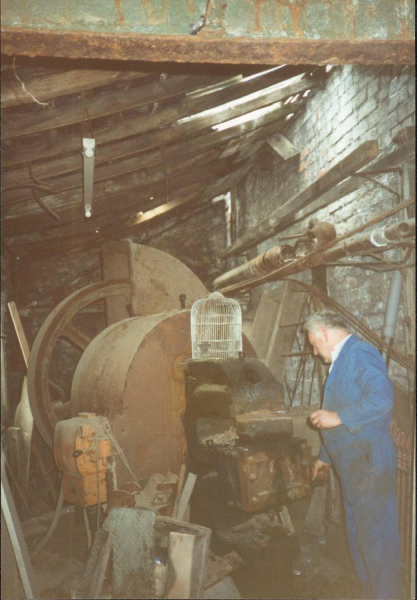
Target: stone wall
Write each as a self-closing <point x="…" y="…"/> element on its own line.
<point x="355" y="104"/>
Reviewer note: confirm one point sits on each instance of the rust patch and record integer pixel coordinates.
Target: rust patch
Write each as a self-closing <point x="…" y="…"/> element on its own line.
<point x="119" y="12"/>
<point x="296" y="10"/>
<point x="200" y="49"/>
<point x="257" y="9"/>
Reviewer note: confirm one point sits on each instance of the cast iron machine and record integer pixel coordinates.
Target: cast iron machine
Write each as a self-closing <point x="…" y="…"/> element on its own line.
<point x="222" y="411"/>
<point x="239" y="434"/>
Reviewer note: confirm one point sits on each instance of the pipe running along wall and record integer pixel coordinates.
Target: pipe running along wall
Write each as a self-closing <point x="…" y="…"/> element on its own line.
<point x="375" y="240"/>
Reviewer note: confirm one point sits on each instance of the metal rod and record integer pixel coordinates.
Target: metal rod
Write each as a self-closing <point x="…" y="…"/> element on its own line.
<point x="355" y="322"/>
<point x="293" y="324"/>
<point x="312" y="381"/>
<point x="382" y="185"/>
<point x="292" y="237"/>
<point x="291" y="354"/>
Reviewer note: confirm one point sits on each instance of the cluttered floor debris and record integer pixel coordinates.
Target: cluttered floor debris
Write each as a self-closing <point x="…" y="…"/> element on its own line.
<point x="321" y="571"/>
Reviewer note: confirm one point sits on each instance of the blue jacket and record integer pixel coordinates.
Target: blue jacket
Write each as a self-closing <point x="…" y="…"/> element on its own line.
<point x="363" y="452"/>
<point x="358" y="388"/>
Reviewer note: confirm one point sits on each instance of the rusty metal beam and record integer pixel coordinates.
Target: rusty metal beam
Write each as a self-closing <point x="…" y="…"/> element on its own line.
<point x="194" y="49"/>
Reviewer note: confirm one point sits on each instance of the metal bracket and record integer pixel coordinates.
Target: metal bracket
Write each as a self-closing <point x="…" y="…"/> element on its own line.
<point x="89" y="145"/>
<point x="364" y="174"/>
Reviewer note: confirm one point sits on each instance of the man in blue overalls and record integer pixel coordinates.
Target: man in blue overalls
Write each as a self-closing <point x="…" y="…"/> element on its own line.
<point x="355" y="427"/>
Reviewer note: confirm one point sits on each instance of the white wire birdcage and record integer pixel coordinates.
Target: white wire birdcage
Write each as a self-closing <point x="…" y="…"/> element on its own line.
<point x="216" y="327"/>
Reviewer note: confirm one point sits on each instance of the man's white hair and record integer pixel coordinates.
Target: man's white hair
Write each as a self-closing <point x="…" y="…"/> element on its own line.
<point x="324" y="318"/>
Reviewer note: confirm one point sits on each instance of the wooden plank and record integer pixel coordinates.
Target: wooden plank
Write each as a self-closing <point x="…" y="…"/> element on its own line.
<point x="200" y="48"/>
<point x="112" y="101"/>
<point x="222" y="567"/>
<point x="16" y="537"/>
<point x="59" y="84"/>
<point x="147" y="168"/>
<point x="143" y="125"/>
<point x="282" y="146"/>
<point x="248" y="150"/>
<point x="282" y="338"/>
<point x="119" y="209"/>
<point x="72" y="162"/>
<point x="150" y="163"/>
<point x="105" y="104"/>
<point x="392" y="159"/>
<point x="21" y="337"/>
<point x="110" y="231"/>
<point x="269" y="226"/>
<point x="110" y="207"/>
<point x="186" y="495"/>
<point x="163" y="525"/>
<point x="180" y="562"/>
<point x="143" y="179"/>
<point x="314" y="520"/>
<point x="179" y="491"/>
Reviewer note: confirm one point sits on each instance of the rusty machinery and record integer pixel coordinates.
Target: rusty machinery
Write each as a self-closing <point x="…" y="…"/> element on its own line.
<point x="84" y="453"/>
<point x="137" y="375"/>
<point x="236" y="422"/>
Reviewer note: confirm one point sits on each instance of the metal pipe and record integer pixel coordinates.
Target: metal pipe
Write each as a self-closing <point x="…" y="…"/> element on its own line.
<point x="376" y="239"/>
<point x="393" y="305"/>
<point x="264" y="263"/>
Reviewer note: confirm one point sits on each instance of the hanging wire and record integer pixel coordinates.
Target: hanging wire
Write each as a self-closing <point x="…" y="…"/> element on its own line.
<point x="85" y="112"/>
<point x="24" y="87"/>
<point x="97" y="481"/>
<point x="165" y="172"/>
<point x="119" y="450"/>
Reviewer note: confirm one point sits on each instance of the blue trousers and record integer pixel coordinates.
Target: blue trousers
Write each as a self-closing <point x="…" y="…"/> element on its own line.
<point x="369" y="496"/>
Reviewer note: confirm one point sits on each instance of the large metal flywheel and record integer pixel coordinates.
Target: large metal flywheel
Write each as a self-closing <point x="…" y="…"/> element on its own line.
<point x="58" y="324"/>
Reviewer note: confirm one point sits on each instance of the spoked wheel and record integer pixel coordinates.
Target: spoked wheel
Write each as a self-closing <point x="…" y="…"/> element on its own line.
<point x="59" y="325"/>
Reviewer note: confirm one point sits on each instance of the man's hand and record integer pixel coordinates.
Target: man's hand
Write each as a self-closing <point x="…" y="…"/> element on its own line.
<point x="325" y="419"/>
<point x="319" y="471"/>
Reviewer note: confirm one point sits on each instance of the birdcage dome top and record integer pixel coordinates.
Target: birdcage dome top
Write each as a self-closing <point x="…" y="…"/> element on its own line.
<point x="216" y="327"/>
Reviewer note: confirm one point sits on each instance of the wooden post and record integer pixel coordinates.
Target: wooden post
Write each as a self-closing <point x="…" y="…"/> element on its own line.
<point x="16" y="536"/>
<point x="178" y="492"/>
<point x="186" y="495"/>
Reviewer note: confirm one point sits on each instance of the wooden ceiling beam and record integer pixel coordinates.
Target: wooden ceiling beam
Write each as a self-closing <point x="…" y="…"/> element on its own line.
<point x="105" y="104"/>
<point x="53" y="167"/>
<point x="146" y="128"/>
<point x="130" y="197"/>
<point x="128" y="226"/>
<point x="106" y="177"/>
<point x="59" y="84"/>
<point x="149" y="161"/>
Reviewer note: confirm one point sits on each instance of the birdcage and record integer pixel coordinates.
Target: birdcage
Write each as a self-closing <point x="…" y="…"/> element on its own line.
<point x="216" y="328"/>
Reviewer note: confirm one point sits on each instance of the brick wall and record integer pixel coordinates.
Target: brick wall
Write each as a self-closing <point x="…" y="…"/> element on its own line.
<point x="355" y="104"/>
